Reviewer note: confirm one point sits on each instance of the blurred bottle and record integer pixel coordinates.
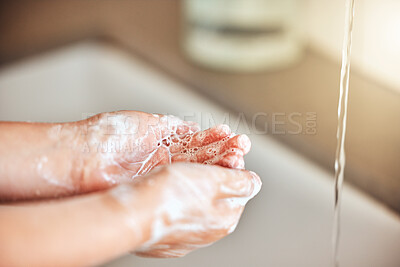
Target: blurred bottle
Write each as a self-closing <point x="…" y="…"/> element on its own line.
<point x="241" y="35"/>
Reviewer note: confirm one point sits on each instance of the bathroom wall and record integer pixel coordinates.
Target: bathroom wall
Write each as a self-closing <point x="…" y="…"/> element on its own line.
<point x="376" y="35"/>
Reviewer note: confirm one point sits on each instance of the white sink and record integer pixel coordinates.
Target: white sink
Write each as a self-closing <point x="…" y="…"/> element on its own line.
<point x="288" y="224"/>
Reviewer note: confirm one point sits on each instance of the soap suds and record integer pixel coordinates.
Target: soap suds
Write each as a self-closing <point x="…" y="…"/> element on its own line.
<point x="160" y="139"/>
<point x="154" y="140"/>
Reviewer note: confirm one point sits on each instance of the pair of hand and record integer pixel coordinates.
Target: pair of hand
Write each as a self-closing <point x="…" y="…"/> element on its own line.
<point x="156" y="172"/>
<point x="192" y="205"/>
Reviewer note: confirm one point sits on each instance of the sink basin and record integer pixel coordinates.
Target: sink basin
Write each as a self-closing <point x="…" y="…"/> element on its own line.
<point x="288" y="224"/>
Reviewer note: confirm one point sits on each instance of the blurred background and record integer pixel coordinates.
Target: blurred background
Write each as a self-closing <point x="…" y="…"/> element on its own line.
<point x="268" y="56"/>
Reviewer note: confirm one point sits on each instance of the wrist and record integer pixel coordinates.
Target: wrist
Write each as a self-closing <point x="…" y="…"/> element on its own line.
<point x="94" y="160"/>
<point x="69" y="144"/>
<point x="135" y="211"/>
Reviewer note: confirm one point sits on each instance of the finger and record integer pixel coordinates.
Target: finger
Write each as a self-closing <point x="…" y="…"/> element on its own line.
<point x="232" y="159"/>
<point x="214" y="152"/>
<point x="229" y="182"/>
<point x="209" y="136"/>
<point x="211" y="153"/>
<point x="194" y="143"/>
<point x="222" y="159"/>
<point x="240" y="141"/>
<point x="239" y="184"/>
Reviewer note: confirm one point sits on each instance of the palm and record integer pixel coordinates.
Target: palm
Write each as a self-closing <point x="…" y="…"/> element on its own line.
<point x="146" y="141"/>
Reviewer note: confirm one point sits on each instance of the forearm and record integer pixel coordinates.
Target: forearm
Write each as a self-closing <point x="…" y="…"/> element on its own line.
<point x="39" y="159"/>
<point x="82" y="231"/>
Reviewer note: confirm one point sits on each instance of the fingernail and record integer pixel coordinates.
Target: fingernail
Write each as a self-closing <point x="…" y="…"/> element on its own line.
<point x="257" y="183"/>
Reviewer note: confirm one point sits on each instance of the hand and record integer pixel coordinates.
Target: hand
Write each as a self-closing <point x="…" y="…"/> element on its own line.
<point x="167" y="213"/>
<point x="122" y="145"/>
<point x="62" y="159"/>
<point x="191" y="206"/>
